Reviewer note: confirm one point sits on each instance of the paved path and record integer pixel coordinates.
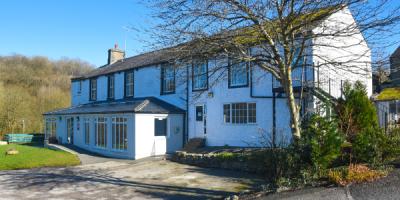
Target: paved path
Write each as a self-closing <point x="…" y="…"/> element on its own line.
<point x="104" y="178"/>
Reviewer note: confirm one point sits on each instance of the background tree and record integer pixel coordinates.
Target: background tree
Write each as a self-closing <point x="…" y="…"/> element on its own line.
<point x="282" y="31"/>
<point x="31" y="86"/>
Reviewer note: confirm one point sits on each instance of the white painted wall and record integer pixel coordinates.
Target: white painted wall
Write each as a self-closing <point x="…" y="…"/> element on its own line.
<point x="148" y="83"/>
<point x="349" y="49"/>
<point x="219" y="133"/>
<point x="149" y="145"/>
<point x="79" y="97"/>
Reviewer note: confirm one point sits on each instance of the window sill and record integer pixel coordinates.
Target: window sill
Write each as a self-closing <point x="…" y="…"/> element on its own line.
<point x="230" y="124"/>
<point x="167" y="93"/>
<point x="119" y="151"/>
<point x="200" y="89"/>
<point x="100" y="148"/>
<point x="238" y="86"/>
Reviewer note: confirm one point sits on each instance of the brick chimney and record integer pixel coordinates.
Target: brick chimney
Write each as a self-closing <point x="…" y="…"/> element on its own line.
<point x="115" y="54"/>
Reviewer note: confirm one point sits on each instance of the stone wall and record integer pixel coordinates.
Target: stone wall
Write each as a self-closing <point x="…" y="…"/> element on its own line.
<point x="211" y="160"/>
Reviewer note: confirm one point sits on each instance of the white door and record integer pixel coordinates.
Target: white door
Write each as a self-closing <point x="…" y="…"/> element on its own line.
<point x="201" y="120"/>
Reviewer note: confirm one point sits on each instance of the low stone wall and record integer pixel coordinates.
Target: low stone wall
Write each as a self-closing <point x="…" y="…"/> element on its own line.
<point x="211" y="160"/>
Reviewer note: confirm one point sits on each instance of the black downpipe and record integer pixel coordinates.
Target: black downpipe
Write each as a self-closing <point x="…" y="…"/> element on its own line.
<point x="186" y="120"/>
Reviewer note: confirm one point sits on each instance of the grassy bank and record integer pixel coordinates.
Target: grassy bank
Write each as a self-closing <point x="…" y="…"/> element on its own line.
<point x="33" y="157"/>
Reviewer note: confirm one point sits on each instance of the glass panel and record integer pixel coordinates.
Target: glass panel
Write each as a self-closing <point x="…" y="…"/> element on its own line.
<point x="129" y="84"/>
<point x="160" y="127"/>
<point x="200" y="75"/>
<point x="199" y="113"/>
<point x="238" y="74"/>
<point x="252" y="113"/>
<point x="119" y="138"/>
<point x="168" y="78"/>
<point x="227" y="113"/>
<point x="93" y="89"/>
<point x="111" y="86"/>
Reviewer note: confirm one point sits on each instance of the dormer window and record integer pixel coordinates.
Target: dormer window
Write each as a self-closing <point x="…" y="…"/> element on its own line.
<point x="129" y="84"/>
<point x="110" y="87"/>
<point x="93" y="89"/>
<point x="167" y="79"/>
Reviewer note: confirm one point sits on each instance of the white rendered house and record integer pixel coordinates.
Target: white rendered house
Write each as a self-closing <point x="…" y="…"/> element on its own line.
<point x="144" y="105"/>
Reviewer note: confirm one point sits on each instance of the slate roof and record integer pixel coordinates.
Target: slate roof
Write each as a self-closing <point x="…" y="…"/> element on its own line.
<point x="141" y="60"/>
<point x="137" y="105"/>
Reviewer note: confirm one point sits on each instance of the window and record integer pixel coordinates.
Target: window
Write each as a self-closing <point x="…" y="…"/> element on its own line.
<point x="199" y="113"/>
<point x="167" y="79"/>
<point x="200" y="76"/>
<point x="129" y="84"/>
<point x="238" y="76"/>
<point x="101" y="132"/>
<point x="160" y="127"/>
<point x="93" y="89"/>
<point x="51" y="127"/>
<point x="86" y="128"/>
<point x="227" y="113"/>
<point x="110" y="88"/>
<point x="70" y="130"/>
<point x="252" y="119"/>
<point x="119" y="133"/>
<point x="79" y="87"/>
<point x="240" y="113"/>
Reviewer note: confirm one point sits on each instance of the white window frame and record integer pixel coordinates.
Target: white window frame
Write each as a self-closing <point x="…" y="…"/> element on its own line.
<point x="93" y="89"/>
<point x="167" y="126"/>
<point x="111" y="86"/>
<point x="234" y="118"/>
<point x="129" y="85"/>
<point x="98" y="123"/>
<point x="236" y="71"/>
<point x="200" y="75"/>
<point x="119" y="126"/>
<point x="86" y="130"/>
<point x="51" y="127"/>
<point x="167" y="79"/>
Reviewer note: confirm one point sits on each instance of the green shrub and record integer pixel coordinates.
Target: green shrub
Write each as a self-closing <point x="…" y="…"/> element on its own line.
<point x="368" y="146"/>
<point x="355" y="112"/>
<point x="391" y="149"/>
<point x="320" y="142"/>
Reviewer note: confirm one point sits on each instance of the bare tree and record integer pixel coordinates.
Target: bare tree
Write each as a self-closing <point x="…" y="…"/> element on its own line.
<point x="279" y="36"/>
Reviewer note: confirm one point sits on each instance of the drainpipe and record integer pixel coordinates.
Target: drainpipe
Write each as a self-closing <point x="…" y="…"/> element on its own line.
<point x="186" y="120"/>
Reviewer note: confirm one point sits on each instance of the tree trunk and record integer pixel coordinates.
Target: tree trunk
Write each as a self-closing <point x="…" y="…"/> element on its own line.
<point x="293" y="108"/>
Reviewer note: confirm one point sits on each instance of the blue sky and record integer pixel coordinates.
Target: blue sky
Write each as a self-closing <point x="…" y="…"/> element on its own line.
<point x="83" y="29"/>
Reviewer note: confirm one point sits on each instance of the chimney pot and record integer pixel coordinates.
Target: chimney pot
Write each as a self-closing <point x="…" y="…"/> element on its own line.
<point x="115" y="54"/>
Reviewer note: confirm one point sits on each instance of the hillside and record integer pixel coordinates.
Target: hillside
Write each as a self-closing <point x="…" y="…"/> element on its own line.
<point x="30" y="86"/>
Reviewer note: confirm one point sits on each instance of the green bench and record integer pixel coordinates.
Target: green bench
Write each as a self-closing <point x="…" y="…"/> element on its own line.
<point x="24" y="138"/>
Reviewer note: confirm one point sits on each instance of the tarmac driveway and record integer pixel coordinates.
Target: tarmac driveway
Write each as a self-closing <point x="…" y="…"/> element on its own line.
<point x="154" y="178"/>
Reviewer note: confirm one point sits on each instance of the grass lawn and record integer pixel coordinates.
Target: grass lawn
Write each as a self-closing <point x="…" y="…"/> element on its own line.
<point x="32" y="157"/>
